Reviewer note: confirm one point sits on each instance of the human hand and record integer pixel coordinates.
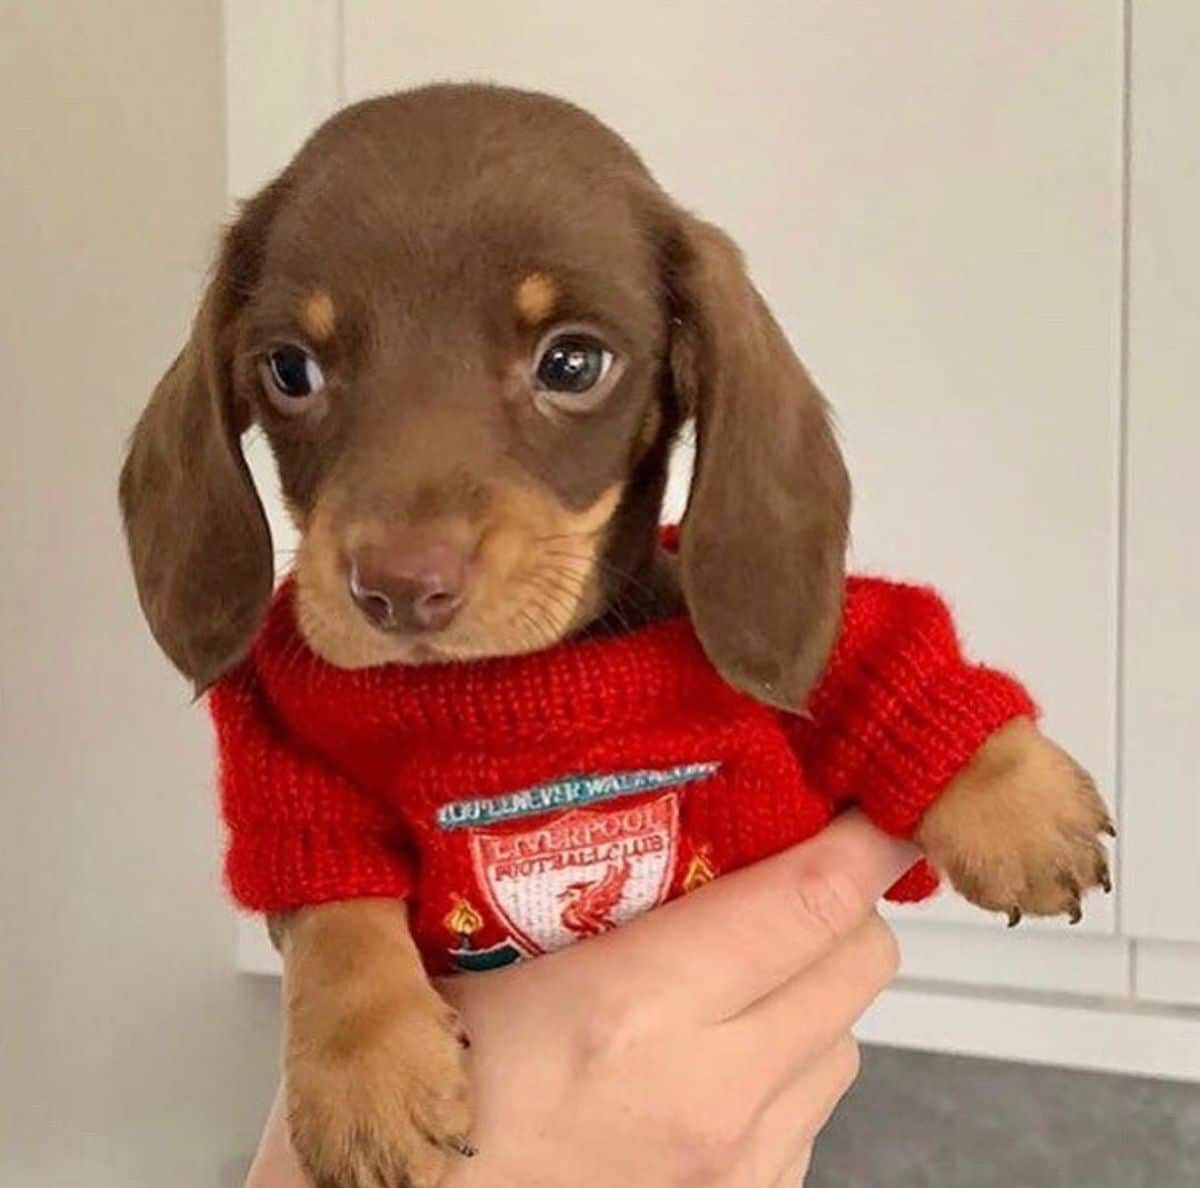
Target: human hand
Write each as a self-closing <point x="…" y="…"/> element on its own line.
<point x="703" y="1044"/>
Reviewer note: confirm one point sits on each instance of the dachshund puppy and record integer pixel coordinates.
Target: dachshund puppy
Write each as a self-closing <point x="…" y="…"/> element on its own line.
<point x="471" y="326"/>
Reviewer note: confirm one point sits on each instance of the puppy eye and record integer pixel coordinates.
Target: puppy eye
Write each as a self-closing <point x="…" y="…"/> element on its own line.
<point x="292" y="373"/>
<point x="572" y="364"/>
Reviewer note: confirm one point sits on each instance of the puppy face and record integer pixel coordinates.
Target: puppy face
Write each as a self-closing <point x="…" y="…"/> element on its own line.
<point x="456" y="357"/>
<point x="470" y="325"/>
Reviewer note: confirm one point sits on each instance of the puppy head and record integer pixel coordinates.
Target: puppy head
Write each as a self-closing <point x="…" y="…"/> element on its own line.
<point x="470" y="325"/>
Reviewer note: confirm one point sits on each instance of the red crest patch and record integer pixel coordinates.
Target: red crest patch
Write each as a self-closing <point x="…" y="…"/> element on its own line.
<point x="582" y="873"/>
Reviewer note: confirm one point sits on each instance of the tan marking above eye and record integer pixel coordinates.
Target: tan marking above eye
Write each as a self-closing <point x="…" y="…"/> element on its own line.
<point x="536" y="297"/>
<point x="317" y="315"/>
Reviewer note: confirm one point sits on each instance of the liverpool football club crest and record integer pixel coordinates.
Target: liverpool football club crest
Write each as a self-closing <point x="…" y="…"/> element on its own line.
<point x="580" y="874"/>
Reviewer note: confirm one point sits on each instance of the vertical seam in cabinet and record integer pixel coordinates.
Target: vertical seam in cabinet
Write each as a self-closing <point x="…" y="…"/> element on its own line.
<point x="1123" y="387"/>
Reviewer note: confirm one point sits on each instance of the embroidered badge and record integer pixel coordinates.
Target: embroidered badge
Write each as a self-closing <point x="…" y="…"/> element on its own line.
<point x="464" y="921"/>
<point x="581" y="874"/>
<point x="566" y="794"/>
<point x="480" y="960"/>
<point x="700" y="870"/>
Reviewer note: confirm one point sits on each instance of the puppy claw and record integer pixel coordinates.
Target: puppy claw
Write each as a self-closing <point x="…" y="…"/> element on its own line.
<point x="1074" y="892"/>
<point x="1014" y="916"/>
<point x="1109" y="828"/>
<point x="1104" y="878"/>
<point x="461" y="1145"/>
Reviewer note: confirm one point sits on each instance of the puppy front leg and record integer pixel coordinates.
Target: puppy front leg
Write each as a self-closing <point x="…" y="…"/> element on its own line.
<point x="1018" y="831"/>
<point x="374" y="1069"/>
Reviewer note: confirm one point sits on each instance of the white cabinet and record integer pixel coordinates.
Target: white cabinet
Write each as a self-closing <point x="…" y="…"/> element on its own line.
<point x="932" y="204"/>
<point x="935" y="199"/>
<point x="1161" y="807"/>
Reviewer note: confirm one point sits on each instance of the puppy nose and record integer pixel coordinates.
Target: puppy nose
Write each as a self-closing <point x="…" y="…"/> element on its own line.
<point x="418" y="587"/>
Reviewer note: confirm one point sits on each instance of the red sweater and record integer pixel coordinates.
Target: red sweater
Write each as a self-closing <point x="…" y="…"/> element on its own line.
<point x="522" y="802"/>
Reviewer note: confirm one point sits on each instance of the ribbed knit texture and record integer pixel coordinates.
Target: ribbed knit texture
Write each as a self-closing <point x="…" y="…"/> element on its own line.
<point x="335" y="783"/>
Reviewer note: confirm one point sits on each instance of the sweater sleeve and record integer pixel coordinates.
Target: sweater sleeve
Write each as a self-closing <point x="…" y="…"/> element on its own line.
<point x="900" y="711"/>
<point x="297" y="833"/>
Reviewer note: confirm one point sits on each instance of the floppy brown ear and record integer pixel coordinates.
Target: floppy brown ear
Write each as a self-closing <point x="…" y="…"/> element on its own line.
<point x="198" y="538"/>
<point x="763" y="540"/>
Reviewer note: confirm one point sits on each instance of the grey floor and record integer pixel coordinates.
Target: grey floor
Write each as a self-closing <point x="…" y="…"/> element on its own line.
<point x="921" y="1121"/>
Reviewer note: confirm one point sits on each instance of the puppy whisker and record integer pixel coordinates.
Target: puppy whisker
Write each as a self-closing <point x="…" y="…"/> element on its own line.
<point x="604" y="566"/>
<point x="564" y="594"/>
<point x="639" y="596"/>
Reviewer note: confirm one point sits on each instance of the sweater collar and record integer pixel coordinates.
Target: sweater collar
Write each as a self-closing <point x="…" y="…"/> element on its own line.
<point x="576" y="689"/>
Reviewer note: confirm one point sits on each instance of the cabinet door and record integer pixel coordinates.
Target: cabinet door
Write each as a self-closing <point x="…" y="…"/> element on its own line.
<point x="932" y="200"/>
<point x="930" y="196"/>
<point x="1161" y="867"/>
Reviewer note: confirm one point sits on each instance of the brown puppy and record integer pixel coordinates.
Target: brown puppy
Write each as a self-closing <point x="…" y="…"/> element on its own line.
<point x="471" y="326"/>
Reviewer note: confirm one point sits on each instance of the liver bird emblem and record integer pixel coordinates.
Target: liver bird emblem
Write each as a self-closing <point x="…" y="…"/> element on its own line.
<point x="589" y="905"/>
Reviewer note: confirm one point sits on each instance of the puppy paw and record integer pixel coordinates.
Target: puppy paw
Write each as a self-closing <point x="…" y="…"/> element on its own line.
<point x="378" y="1094"/>
<point x="1018" y="831"/>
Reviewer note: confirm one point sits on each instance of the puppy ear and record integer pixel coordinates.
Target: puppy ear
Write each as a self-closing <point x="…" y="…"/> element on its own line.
<point x="197" y="535"/>
<point x="763" y="540"/>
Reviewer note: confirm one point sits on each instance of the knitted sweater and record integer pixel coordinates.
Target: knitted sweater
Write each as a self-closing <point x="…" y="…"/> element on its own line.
<point x="521" y="802"/>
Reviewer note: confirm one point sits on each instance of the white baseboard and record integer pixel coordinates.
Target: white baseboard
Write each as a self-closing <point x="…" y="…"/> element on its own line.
<point x="1168" y="971"/>
<point x="1113" y="1036"/>
<point x="1062" y="961"/>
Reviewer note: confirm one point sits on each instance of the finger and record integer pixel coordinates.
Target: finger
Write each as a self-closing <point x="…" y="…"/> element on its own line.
<point x="783" y="1031"/>
<point x="791" y="1122"/>
<point x="276" y="1164"/>
<point x="713" y="952"/>
<point x="796" y="1175"/>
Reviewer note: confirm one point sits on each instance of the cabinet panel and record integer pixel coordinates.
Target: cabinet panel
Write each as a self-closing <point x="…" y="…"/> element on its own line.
<point x="933" y="206"/>
<point x="1162" y="587"/>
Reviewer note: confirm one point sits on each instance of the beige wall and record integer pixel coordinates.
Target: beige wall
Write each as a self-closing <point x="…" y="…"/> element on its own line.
<point x="130" y="1052"/>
